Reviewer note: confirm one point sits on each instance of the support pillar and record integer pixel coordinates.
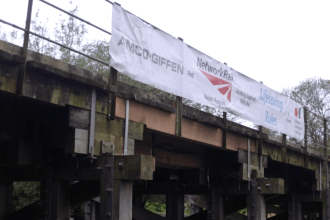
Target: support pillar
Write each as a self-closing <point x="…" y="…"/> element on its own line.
<point x="122" y="200"/>
<point x="90" y="210"/>
<point x="174" y="204"/>
<point x="215" y="205"/>
<point x="60" y="200"/>
<point x="55" y="197"/>
<point x="6" y="198"/>
<point x="294" y="208"/>
<point x="256" y="205"/>
<point x="45" y="194"/>
<point x="313" y="215"/>
<point x="107" y="187"/>
<point x="326" y="204"/>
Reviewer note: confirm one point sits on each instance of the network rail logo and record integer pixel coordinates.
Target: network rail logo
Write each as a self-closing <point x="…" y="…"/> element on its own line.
<point x="223" y="86"/>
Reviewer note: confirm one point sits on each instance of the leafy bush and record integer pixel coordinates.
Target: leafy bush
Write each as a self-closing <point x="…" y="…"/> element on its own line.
<point x="25" y="193"/>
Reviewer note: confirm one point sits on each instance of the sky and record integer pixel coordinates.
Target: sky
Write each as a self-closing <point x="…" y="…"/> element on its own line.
<point x="280" y="43"/>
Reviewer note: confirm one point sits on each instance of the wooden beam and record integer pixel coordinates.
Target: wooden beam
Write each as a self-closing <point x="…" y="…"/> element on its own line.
<point x="133" y="167"/>
<point x="90" y="210"/>
<point x="326" y="204"/>
<point x="129" y="167"/>
<point x="178" y="116"/>
<point x="122" y="200"/>
<point x="254" y="164"/>
<point x="218" y="208"/>
<point x="294" y="208"/>
<point x="46" y="193"/>
<point x="79" y="119"/>
<point x="290" y="157"/>
<point x="113" y="94"/>
<point x="174" y="204"/>
<point x="60" y="200"/>
<point x="169" y="159"/>
<point x="110" y="191"/>
<point x="256" y="205"/>
<point x="270" y="186"/>
<point x="6" y="198"/>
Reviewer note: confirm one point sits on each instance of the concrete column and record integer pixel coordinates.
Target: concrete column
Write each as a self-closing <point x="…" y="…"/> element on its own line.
<point x="6" y="198"/>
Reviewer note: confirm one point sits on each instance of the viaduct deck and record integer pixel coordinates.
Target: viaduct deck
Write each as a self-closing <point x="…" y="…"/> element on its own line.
<point x="65" y="128"/>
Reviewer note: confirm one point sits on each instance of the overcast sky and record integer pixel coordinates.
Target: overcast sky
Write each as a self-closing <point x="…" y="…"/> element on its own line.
<point x="278" y="42"/>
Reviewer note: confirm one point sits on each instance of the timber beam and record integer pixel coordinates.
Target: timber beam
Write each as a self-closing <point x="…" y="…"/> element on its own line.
<point x="134" y="167"/>
<point x="254" y="164"/>
<point x="270" y="186"/>
<point x="263" y="186"/>
<point x="154" y="188"/>
<point x="129" y="167"/>
<point x="281" y="155"/>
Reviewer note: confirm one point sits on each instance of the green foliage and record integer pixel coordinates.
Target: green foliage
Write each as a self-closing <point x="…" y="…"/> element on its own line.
<point x="243" y="211"/>
<point x="157" y="204"/>
<point x="156" y="207"/>
<point x="25" y="193"/>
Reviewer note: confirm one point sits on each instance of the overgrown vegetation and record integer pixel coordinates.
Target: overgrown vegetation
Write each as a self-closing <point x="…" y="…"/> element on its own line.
<point x="25" y="193"/>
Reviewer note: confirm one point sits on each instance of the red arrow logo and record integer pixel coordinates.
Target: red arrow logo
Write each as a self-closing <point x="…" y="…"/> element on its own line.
<point x="223" y="86"/>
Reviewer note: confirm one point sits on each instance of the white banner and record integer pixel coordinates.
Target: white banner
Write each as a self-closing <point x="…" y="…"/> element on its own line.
<point x="153" y="57"/>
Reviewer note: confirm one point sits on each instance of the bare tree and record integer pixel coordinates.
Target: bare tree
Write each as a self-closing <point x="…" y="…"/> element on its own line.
<point x="313" y="93"/>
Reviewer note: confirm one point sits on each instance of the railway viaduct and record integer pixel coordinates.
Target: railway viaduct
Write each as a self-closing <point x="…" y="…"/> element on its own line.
<point x="65" y="127"/>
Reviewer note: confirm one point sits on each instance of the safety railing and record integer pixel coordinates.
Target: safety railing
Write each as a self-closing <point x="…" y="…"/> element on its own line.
<point x="27" y="30"/>
<point x="315" y="138"/>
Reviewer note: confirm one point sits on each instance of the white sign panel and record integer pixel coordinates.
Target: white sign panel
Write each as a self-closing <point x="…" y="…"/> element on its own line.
<point x="153" y="57"/>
